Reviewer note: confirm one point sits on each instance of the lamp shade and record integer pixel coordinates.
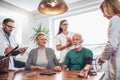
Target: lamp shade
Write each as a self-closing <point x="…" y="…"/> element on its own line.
<point x="52" y="7"/>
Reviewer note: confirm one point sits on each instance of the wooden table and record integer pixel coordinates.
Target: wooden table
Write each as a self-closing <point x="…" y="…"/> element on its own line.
<point x="35" y="75"/>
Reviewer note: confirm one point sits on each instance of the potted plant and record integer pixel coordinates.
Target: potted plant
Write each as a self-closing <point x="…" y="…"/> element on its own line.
<point x="38" y="29"/>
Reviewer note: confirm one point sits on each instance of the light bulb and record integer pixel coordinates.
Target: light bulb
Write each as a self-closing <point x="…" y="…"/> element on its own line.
<point x="53" y="4"/>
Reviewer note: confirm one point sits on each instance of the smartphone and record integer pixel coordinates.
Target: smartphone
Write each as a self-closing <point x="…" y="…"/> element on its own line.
<point x="47" y="73"/>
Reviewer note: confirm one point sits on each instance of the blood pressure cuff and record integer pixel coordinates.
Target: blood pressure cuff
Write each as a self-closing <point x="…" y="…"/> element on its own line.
<point x="88" y="60"/>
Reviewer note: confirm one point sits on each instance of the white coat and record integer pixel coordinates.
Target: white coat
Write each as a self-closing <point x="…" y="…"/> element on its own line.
<point x="61" y="40"/>
<point x="4" y="44"/>
<point x="112" y="49"/>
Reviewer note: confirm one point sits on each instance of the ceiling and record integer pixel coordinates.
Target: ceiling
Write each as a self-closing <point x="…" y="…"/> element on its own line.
<point x="31" y="5"/>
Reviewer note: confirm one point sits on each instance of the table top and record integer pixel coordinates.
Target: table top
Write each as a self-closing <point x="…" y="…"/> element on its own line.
<point x="35" y="75"/>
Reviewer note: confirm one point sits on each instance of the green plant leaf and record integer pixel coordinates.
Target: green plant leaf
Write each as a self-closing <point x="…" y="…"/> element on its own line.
<point x="37" y="30"/>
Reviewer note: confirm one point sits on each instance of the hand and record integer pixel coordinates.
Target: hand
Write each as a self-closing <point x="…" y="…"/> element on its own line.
<point x="8" y="49"/>
<point x="22" y="50"/>
<point x="69" y="42"/>
<point x="64" y="67"/>
<point x="57" y="68"/>
<point x="100" y="61"/>
<point x="68" y="39"/>
<point x="83" y="73"/>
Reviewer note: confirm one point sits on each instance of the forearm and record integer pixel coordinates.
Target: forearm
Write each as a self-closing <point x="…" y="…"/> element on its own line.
<point x="36" y="67"/>
<point x="33" y="67"/>
<point x="59" y="47"/>
<point x="107" y="52"/>
<point x="88" y="67"/>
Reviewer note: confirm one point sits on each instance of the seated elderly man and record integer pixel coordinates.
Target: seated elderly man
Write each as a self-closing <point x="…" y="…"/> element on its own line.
<point x="42" y="57"/>
<point x="79" y="58"/>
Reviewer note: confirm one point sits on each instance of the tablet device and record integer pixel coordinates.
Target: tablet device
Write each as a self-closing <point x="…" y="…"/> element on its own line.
<point x="47" y="73"/>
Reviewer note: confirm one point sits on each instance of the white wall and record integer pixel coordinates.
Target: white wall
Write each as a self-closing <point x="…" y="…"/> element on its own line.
<point x="27" y="24"/>
<point x="28" y="21"/>
<point x="74" y="9"/>
<point x="27" y="29"/>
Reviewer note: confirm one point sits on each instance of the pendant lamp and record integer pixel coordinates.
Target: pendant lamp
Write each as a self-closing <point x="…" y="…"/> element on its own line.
<point x="52" y="7"/>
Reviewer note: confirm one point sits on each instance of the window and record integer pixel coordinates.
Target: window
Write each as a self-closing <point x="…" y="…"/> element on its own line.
<point x="92" y="26"/>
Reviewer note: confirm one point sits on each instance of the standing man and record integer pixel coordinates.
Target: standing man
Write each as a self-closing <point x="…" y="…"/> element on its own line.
<point x="8" y="43"/>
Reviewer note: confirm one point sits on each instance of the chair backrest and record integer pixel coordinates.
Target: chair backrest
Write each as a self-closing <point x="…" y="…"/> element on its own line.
<point x="4" y="64"/>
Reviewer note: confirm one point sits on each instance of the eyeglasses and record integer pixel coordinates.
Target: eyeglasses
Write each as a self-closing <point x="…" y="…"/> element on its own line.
<point x="65" y="24"/>
<point x="9" y="26"/>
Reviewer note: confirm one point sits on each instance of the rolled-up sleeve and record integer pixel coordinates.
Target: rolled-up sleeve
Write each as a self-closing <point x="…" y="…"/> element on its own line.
<point x="3" y="45"/>
<point x="57" y="40"/>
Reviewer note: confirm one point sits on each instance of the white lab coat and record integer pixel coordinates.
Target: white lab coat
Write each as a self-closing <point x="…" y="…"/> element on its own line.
<point x="61" y="40"/>
<point x="112" y="49"/>
<point x="4" y="44"/>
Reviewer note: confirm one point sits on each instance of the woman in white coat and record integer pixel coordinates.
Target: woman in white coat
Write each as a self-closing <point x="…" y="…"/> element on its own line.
<point x="63" y="39"/>
<point x="111" y="10"/>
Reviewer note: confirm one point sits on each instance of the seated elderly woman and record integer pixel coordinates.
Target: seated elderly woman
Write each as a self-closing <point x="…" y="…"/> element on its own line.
<point x="42" y="57"/>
